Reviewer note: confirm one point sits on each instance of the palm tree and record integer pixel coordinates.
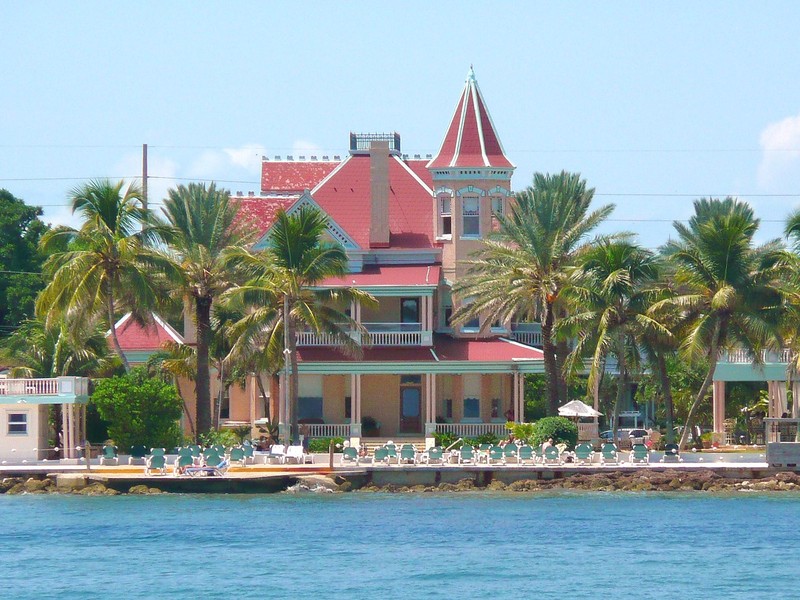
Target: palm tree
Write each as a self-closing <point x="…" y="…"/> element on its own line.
<point x="610" y="293"/>
<point x="105" y="265"/>
<point x="282" y="297"/>
<point x="201" y="227"/>
<point x="521" y="270"/>
<point x="730" y="289"/>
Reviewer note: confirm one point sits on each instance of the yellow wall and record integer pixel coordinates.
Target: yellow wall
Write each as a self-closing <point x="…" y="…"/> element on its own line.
<point x="333" y="393"/>
<point x="380" y="398"/>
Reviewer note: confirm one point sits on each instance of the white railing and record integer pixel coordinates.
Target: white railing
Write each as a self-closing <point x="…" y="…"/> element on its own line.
<point x="531" y="338"/>
<point x="324" y="430"/>
<point x="378" y="334"/>
<point x="309" y="338"/>
<point x="394" y="338"/>
<point x="781" y="430"/>
<point x="29" y="387"/>
<point x="472" y="429"/>
<point x="745" y="357"/>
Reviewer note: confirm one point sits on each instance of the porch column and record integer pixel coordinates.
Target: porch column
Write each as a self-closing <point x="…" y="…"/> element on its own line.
<point x="429" y="313"/>
<point x="777" y="399"/>
<point x="283" y="425"/>
<point x="355" y="399"/>
<point x="518" y="397"/>
<point x="718" y="406"/>
<point x="69" y="443"/>
<point x="796" y="399"/>
<point x="63" y="431"/>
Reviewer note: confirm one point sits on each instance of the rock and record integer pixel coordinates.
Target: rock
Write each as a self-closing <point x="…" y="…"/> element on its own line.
<point x="38" y="485"/>
<point x="155" y="491"/>
<point x="97" y="489"/>
<point x="346" y="486"/>
<point x="524" y="485"/>
<point x="496" y="485"/>
<point x="8" y="483"/>
<point x="18" y="488"/>
<point x="447" y="487"/>
<point x="417" y="488"/>
<point x="314" y="482"/>
<point x="465" y="485"/>
<point x="138" y="489"/>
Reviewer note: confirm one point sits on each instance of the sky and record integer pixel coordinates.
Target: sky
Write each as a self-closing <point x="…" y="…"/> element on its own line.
<point x="654" y="103"/>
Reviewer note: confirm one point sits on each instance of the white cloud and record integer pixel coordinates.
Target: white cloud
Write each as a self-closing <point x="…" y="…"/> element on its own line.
<point x="305" y="148"/>
<point x="247" y="157"/>
<point x="780" y="158"/>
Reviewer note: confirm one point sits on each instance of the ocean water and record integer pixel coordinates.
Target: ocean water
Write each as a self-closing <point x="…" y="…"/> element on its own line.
<point x="466" y="545"/>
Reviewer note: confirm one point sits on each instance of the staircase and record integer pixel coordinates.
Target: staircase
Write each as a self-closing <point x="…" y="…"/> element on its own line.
<point x="374" y="442"/>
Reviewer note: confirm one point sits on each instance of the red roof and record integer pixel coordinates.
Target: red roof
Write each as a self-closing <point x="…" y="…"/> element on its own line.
<point x="471" y="139"/>
<point x="286" y="177"/>
<point x="422" y="275"/>
<point x="133" y="336"/>
<point x="258" y="212"/>
<point x="346" y="196"/>
<point x="483" y="350"/>
<point x="445" y="349"/>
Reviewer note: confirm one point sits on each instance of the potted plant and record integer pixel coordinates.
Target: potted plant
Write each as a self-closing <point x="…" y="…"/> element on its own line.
<point x="370" y="427"/>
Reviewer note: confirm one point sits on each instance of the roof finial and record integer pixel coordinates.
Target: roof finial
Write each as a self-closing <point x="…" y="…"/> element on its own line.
<point x="471" y="74"/>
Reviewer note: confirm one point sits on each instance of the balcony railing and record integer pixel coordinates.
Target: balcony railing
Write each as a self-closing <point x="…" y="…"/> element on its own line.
<point x="472" y="429"/>
<point x="745" y="357"/>
<point x="29" y="387"/>
<point x="531" y="338"/>
<point x="324" y="430"/>
<point x="378" y="334"/>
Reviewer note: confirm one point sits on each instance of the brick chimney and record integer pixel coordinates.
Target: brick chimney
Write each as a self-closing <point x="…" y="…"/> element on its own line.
<point x="379" y="187"/>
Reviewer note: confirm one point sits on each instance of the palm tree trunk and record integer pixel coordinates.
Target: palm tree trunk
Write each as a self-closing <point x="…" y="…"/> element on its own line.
<point x="203" y="381"/>
<point x="713" y="351"/>
<point x="666" y="389"/>
<point x="562" y="351"/>
<point x="622" y="382"/>
<point x="264" y="396"/>
<point x="294" y="376"/>
<point x="112" y="324"/>
<point x="550" y="360"/>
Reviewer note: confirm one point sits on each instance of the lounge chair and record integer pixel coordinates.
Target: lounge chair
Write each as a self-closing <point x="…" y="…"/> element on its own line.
<point x="249" y="453"/>
<point x="609" y="454"/>
<point x="182" y="462"/>
<point x="391" y="453"/>
<point x="158" y="451"/>
<point x="349" y="455"/>
<point x="466" y="454"/>
<point x="672" y="453"/>
<point x="552" y="456"/>
<point x="381" y="455"/>
<point x="237" y="455"/>
<point x="525" y="453"/>
<point x="213" y="470"/>
<point x="196" y="450"/>
<point x="407" y="453"/>
<point x="277" y="452"/>
<point x="212" y="458"/>
<point x="184" y="451"/>
<point x="639" y="455"/>
<point x="511" y="453"/>
<point x="138" y="454"/>
<point x="496" y="455"/>
<point x="155" y="462"/>
<point x="219" y="449"/>
<point x="538" y="455"/>
<point x="297" y="455"/>
<point x="434" y="455"/>
<point x="483" y="452"/>
<point x="584" y="454"/>
<point x="109" y="454"/>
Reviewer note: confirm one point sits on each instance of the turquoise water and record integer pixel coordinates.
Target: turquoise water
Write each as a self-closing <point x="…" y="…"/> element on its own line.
<point x="564" y="545"/>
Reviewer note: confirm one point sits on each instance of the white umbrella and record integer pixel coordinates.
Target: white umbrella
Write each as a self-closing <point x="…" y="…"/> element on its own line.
<point x="576" y="408"/>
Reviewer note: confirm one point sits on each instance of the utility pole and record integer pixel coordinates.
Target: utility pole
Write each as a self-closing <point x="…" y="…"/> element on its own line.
<point x="144" y="176"/>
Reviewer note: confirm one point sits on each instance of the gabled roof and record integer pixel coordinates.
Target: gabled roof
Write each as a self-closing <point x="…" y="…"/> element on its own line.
<point x="471" y="139"/>
<point x="282" y="177"/>
<point x="258" y="212"/>
<point x="345" y="195"/>
<point x="133" y="336"/>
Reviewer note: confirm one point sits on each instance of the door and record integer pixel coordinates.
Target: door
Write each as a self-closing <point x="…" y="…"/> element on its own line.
<point x="409" y="314"/>
<point x="410" y="404"/>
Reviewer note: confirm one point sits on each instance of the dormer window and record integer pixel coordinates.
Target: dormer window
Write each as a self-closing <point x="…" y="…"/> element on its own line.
<point x="445" y="216"/>
<point x="471" y="216"/>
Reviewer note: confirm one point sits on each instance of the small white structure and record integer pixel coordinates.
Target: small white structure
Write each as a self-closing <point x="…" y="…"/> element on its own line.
<point x="24" y="407"/>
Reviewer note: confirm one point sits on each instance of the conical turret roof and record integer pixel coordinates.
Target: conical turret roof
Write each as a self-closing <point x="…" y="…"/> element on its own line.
<point x="471" y="139"/>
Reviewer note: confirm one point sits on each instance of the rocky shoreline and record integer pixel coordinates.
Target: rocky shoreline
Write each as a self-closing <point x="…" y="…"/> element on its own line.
<point x="45" y="485"/>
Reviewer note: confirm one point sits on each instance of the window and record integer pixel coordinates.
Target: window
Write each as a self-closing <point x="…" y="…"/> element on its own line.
<point x="409" y="314"/>
<point x="495" y="408"/>
<point x="472" y="408"/>
<point x="348" y="407"/>
<point x="448" y="408"/>
<point x="225" y="405"/>
<point x="471" y="214"/>
<point x="17" y="423"/>
<point x="309" y="408"/>
<point x="448" y="315"/>
<point x="445" y="216"/>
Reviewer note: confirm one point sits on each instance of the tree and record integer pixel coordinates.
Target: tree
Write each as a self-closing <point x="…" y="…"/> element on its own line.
<point x="731" y="290"/>
<point x="20" y="232"/>
<point x="282" y="297"/>
<point x="104" y="266"/>
<point x="610" y="293"/>
<point x="139" y="409"/>
<point x="201" y="226"/>
<point x="522" y="268"/>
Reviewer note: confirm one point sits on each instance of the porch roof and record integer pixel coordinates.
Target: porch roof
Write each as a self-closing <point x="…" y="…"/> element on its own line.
<point x="383" y="275"/>
<point x="448" y="355"/>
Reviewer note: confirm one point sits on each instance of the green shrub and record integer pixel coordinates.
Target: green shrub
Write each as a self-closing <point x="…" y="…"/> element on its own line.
<point x="223" y="437"/>
<point x="445" y="439"/>
<point x="321" y="445"/>
<point x="561" y="429"/>
<point x="139" y="410"/>
<point x="522" y="431"/>
<point x="486" y="438"/>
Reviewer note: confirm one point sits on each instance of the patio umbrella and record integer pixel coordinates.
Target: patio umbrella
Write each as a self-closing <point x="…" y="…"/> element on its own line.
<point x="576" y="408"/>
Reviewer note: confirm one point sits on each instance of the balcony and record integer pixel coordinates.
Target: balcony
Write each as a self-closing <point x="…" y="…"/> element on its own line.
<point x="378" y="334"/>
<point x="743" y="357"/>
<point x="529" y="334"/>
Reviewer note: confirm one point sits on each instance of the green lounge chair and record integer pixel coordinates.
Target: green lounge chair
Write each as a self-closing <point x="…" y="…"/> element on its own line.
<point x="184" y="451"/>
<point x="158" y="451"/>
<point x="213" y="458"/>
<point x="138" y="454"/>
<point x="182" y="461"/>
<point x="466" y="454"/>
<point x="391" y="454"/>
<point x="511" y="453"/>
<point x="671" y="453"/>
<point x="525" y="453"/>
<point x="407" y="454"/>
<point x="640" y="455"/>
<point x="434" y="455"/>
<point x="237" y="455"/>
<point x="196" y="450"/>
<point x="218" y="449"/>
<point x="349" y="455"/>
<point x="496" y="455"/>
<point x="609" y="454"/>
<point x="584" y="454"/>
<point x="249" y="453"/>
<point x="381" y="455"/>
<point x="538" y="455"/>
<point x="156" y="462"/>
<point x="483" y="452"/>
<point x="109" y="454"/>
<point x="552" y="456"/>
